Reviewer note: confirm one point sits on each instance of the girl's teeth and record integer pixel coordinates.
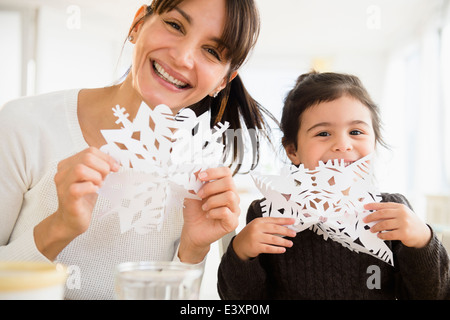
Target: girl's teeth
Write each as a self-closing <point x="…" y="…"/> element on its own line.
<point x="168" y="77"/>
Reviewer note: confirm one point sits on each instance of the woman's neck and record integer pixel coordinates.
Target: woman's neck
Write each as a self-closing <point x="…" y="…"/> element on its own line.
<point x="95" y="109"/>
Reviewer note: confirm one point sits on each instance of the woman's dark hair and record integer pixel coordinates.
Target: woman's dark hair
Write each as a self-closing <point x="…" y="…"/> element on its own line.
<point x="314" y="88"/>
<point x="233" y="104"/>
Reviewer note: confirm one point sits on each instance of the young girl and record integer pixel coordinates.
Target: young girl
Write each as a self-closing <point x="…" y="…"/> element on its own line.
<point x="331" y="116"/>
<point x="186" y="54"/>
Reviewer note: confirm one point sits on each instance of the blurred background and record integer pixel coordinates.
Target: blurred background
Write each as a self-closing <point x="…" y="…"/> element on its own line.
<point x="400" y="49"/>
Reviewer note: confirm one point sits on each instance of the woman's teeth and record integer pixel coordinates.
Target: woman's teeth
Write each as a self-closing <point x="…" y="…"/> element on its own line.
<point x="167" y="77"/>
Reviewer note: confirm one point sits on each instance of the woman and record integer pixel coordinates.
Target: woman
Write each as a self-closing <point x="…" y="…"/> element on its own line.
<point x="185" y="54"/>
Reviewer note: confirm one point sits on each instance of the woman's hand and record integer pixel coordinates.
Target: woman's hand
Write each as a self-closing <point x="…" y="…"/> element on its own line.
<point x="396" y="221"/>
<point x="209" y="219"/>
<point x="77" y="181"/>
<point x="263" y="235"/>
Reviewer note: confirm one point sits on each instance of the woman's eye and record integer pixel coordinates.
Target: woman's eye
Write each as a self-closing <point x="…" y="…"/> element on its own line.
<point x="213" y="53"/>
<point x="174" y="25"/>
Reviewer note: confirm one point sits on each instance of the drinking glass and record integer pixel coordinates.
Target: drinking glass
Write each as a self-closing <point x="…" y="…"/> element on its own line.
<point x="158" y="280"/>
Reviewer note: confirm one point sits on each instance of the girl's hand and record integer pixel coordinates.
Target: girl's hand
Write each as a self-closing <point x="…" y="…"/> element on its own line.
<point x="77" y="181"/>
<point x="209" y="219"/>
<point x="263" y="235"/>
<point x="397" y="222"/>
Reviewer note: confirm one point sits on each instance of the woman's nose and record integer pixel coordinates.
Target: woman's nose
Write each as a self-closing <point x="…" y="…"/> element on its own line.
<point x="183" y="54"/>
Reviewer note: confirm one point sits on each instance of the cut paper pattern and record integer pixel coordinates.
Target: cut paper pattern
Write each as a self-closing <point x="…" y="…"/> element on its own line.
<point x="328" y="200"/>
<point x="160" y="154"/>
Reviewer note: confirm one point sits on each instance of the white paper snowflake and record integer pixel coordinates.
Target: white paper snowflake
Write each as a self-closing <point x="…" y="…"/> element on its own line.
<point x="157" y="151"/>
<point x="328" y="200"/>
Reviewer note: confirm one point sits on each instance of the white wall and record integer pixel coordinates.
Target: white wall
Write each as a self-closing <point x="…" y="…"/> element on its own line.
<point x="75" y="53"/>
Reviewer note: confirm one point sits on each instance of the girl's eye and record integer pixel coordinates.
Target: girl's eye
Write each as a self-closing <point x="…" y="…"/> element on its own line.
<point x="323" y="134"/>
<point x="355" y="133"/>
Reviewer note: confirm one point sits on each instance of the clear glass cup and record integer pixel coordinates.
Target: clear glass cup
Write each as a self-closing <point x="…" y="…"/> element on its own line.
<point x="158" y="280"/>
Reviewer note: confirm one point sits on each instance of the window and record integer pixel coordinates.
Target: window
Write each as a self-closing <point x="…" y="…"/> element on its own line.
<point x="10" y="55"/>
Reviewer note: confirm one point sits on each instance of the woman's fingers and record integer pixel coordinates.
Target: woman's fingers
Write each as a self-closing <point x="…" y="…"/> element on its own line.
<point x="89" y="165"/>
<point x="77" y="180"/>
<point x="84" y="173"/>
<point x="214" y="174"/>
<point x="227" y="199"/>
<point x="217" y="180"/>
<point x="79" y="190"/>
<point x="99" y="161"/>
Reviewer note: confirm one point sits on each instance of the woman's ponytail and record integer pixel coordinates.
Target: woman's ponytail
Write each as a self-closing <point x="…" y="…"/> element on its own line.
<point x="247" y="122"/>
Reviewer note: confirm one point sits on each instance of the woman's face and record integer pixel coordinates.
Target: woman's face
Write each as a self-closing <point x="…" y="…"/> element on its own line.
<point x="176" y="59"/>
<point x="339" y="129"/>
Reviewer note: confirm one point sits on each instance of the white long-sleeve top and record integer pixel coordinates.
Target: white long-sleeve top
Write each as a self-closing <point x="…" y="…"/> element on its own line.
<point x="36" y="133"/>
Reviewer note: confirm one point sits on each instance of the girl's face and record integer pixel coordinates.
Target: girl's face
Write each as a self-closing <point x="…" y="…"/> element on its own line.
<point x="339" y="129"/>
<point x="176" y="59"/>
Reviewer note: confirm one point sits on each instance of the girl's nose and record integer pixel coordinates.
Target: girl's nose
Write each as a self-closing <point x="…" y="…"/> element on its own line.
<point x="342" y="144"/>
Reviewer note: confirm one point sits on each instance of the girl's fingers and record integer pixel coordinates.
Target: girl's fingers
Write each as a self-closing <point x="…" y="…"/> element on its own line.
<point x="278" y="221"/>
<point x="381" y="205"/>
<point x="381" y="214"/>
<point x="272" y="249"/>
<point x="279" y="230"/>
<point x="390" y="235"/>
<point x="385" y="225"/>
<point x="278" y="241"/>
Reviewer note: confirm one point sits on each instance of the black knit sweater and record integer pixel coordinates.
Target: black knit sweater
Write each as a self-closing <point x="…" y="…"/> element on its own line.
<point x="317" y="269"/>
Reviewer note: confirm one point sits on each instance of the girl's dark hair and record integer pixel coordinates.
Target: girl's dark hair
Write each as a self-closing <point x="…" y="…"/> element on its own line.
<point x="233" y="104"/>
<point x="313" y="88"/>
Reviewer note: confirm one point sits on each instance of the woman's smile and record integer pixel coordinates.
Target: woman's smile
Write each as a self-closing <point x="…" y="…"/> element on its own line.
<point x="175" y="60"/>
<point x="169" y="76"/>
